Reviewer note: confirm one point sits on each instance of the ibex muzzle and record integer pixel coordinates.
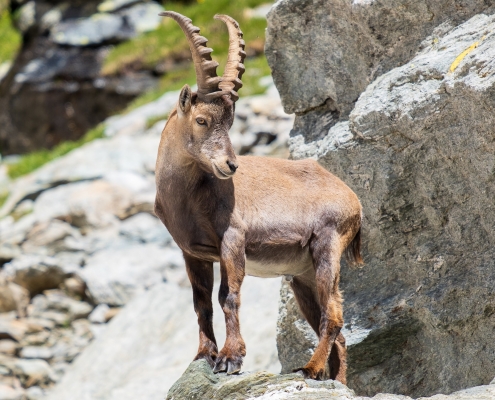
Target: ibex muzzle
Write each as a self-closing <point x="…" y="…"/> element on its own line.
<point x="272" y="218"/>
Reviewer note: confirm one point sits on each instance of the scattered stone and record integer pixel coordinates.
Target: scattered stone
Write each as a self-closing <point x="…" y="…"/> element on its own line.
<point x="26" y="16"/>
<point x="57" y="300"/>
<point x="37" y="339"/>
<point x="59" y="318"/>
<point x="111" y="313"/>
<point x="9" y="393"/>
<point x="35" y="393"/>
<point x="75" y="286"/>
<point x="34" y="352"/>
<point x="38" y="324"/>
<point x="13" y="297"/>
<point x="35" y="273"/>
<point x="8" y="347"/>
<point x="52" y="236"/>
<point x="12" y="329"/>
<point x="98" y="316"/>
<point x="33" y="372"/>
<point x="4" y="69"/>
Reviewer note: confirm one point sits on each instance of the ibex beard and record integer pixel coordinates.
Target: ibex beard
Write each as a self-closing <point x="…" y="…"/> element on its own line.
<point x="259" y="216"/>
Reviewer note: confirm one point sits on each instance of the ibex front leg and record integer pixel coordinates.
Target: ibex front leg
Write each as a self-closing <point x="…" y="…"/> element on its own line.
<point x="201" y="276"/>
<point x="232" y="273"/>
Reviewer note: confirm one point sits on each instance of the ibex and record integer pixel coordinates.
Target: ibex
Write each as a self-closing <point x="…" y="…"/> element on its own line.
<point x="259" y="216"/>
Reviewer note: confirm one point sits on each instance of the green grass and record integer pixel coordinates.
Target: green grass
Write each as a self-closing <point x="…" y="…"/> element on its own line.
<point x="10" y="39"/>
<point x="34" y="160"/>
<point x="3" y="198"/>
<point x="152" y="121"/>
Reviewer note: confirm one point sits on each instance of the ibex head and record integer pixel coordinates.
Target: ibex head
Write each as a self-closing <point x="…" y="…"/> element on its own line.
<point x="205" y="117"/>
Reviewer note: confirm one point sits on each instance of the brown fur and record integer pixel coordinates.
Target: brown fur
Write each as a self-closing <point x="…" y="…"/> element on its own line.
<point x="272" y="217"/>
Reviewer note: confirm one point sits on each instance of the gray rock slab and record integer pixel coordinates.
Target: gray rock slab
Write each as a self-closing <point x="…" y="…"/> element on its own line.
<point x="116" y="274"/>
<point x="418" y="151"/>
<point x="98" y="28"/>
<point x="160" y="341"/>
<point x="98" y="159"/>
<point x="143" y="17"/>
<point x="324" y="53"/>
<point x="145" y="228"/>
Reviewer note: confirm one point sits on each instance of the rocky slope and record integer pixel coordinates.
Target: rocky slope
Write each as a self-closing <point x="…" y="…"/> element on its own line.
<point x="417" y="147"/>
<point x="79" y="242"/>
<point x="55" y="90"/>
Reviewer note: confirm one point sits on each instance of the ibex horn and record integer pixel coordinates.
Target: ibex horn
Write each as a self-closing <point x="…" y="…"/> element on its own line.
<point x="206" y="75"/>
<point x="231" y="79"/>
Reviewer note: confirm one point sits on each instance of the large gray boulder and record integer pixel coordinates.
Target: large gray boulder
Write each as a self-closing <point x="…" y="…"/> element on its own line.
<point x="199" y="382"/>
<point x="324" y="53"/>
<point x="418" y="150"/>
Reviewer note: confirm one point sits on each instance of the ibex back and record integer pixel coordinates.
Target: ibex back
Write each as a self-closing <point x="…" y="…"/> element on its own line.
<point x="257" y="216"/>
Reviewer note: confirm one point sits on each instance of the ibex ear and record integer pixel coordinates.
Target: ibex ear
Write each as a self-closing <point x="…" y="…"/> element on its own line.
<point x="185" y="99"/>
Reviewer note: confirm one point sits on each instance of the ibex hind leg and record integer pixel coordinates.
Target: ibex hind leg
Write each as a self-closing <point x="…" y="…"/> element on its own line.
<point x="320" y="287"/>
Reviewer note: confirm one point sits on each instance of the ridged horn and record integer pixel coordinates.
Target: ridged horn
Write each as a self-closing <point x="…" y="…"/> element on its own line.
<point x="231" y="79"/>
<point x="206" y="74"/>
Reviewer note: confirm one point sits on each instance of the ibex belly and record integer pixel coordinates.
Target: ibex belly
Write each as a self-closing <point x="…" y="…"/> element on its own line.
<point x="273" y="268"/>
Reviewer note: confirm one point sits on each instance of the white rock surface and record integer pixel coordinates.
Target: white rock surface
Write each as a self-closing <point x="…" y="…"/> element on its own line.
<point x="152" y="341"/>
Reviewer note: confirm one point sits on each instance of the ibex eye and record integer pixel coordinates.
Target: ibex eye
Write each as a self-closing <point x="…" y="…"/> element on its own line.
<point x="201" y="121"/>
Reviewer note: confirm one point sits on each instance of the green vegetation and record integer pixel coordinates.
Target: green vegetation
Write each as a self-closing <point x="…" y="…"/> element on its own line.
<point x="3" y="198"/>
<point x="168" y="42"/>
<point x="11" y="39"/>
<point x="34" y="160"/>
<point x="152" y="121"/>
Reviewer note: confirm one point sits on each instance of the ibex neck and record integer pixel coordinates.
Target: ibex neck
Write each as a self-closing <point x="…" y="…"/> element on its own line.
<point x="176" y="164"/>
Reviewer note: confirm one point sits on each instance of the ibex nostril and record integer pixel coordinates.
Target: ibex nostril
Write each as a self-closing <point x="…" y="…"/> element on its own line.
<point x="232" y="166"/>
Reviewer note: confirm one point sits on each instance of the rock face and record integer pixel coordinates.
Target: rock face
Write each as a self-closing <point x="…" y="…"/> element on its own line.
<point x="418" y="150"/>
<point x="199" y="382"/>
<point x="324" y="53"/>
<point x="54" y="90"/>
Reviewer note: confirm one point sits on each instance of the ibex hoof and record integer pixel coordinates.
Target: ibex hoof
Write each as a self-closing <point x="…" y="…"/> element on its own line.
<point x="229" y="365"/>
<point x="210" y="358"/>
<point x="309" y="373"/>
